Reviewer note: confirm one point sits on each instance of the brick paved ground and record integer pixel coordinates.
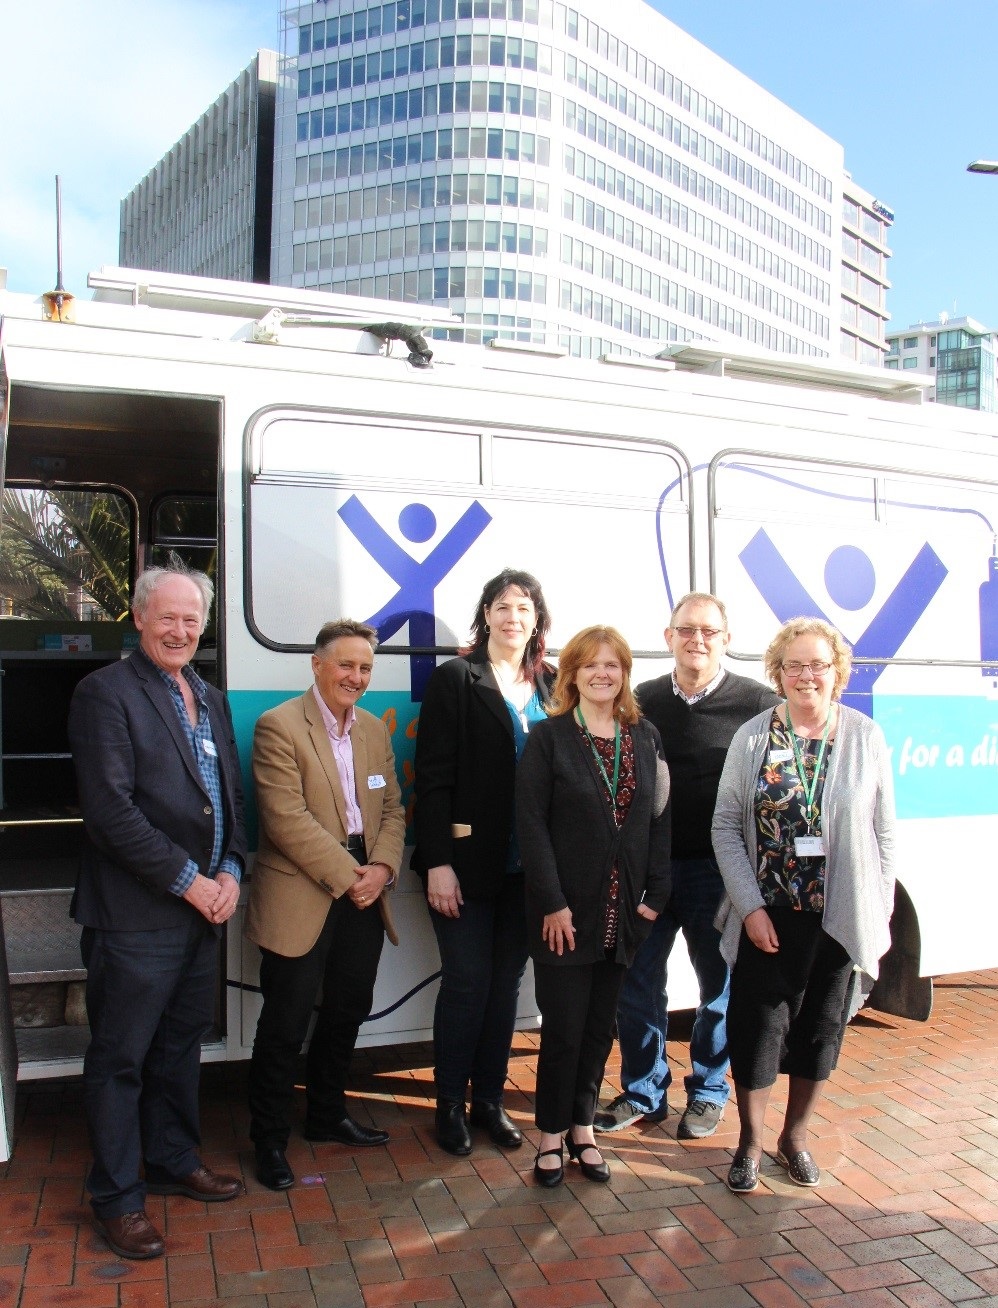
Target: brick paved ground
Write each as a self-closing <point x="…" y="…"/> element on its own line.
<point x="907" y="1213"/>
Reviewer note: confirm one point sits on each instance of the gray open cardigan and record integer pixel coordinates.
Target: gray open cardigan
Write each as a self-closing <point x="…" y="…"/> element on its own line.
<point x="857" y="821"/>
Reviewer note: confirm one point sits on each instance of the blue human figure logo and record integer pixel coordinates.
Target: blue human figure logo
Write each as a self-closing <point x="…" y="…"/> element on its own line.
<point x="850" y="580"/>
<point x="413" y="602"/>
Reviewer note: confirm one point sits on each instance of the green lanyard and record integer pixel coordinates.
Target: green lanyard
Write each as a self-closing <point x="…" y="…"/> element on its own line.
<point x="810" y="813"/>
<point x="599" y="762"/>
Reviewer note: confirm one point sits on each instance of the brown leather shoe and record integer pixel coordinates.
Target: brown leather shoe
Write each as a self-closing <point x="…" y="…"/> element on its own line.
<point x="204" y="1184"/>
<point x="131" y="1235"/>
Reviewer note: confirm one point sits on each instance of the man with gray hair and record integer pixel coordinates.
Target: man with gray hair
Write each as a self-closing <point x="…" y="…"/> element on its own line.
<point x="697" y="708"/>
<point x="332" y="829"/>
<point x="160" y="796"/>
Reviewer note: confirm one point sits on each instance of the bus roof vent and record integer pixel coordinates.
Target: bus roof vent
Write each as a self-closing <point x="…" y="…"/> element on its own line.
<point x="528" y="347"/>
<point x="795" y="370"/>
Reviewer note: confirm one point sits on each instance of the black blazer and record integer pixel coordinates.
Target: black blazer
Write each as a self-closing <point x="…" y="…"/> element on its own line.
<point x="569" y="840"/>
<point x="465" y="773"/>
<point x="145" y="808"/>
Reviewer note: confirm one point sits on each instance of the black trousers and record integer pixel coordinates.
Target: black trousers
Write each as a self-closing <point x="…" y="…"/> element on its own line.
<point x="787" y="1011"/>
<point x="344" y="961"/>
<point x="578" y="1004"/>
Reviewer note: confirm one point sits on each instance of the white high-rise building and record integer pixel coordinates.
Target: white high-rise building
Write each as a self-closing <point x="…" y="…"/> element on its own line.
<point x="865" y="225"/>
<point x="588" y="175"/>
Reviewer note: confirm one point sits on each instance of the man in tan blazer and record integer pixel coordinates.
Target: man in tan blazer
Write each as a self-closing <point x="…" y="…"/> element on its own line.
<point x="332" y="830"/>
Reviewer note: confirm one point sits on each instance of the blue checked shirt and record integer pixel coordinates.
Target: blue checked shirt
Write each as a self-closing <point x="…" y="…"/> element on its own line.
<point x="198" y="736"/>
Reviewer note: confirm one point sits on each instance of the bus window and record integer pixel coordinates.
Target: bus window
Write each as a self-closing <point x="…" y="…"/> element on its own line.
<point x="185" y="525"/>
<point x="65" y="555"/>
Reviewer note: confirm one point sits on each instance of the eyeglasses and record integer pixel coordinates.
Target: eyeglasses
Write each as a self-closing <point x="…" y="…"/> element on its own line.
<point x="708" y="633"/>
<point x="793" y="669"/>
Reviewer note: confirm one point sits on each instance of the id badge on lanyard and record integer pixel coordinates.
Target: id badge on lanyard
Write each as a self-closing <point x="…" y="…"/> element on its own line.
<point x="812" y="845"/>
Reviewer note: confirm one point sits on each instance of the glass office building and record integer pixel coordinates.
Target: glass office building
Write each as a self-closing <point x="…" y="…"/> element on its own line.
<point x="206" y="207"/>
<point x="958" y="352"/>
<point x="587" y="175"/>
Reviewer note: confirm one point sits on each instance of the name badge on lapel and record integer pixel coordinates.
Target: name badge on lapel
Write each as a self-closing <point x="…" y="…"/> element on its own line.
<point x="376" y="782"/>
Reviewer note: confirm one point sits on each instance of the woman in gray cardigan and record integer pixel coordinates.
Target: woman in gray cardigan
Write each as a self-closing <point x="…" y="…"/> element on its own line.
<point x="803" y="832"/>
<point x="594" y="829"/>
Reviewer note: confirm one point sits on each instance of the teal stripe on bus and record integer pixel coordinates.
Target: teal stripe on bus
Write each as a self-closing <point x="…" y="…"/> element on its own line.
<point x="393" y="707"/>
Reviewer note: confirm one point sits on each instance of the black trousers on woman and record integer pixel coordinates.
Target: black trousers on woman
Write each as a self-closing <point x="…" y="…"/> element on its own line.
<point x="578" y="1004"/>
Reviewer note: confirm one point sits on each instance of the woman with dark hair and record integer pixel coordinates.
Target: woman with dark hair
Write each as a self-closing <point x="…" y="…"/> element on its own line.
<point x="477" y="712"/>
<point x="804" y="836"/>
<point x="591" y="803"/>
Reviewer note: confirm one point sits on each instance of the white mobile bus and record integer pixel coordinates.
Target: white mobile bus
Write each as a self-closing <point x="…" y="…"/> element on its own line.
<point x="320" y="472"/>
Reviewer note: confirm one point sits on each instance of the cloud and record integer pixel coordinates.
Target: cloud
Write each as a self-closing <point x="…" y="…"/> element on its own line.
<point x="98" y="91"/>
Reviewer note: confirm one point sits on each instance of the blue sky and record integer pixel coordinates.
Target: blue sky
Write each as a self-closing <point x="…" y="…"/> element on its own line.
<point x="98" y="92"/>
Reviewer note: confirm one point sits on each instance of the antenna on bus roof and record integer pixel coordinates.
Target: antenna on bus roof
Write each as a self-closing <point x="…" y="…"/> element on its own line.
<point x="59" y="303"/>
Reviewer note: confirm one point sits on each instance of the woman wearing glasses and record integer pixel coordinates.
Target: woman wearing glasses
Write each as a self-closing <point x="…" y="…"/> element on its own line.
<point x="804" y="837"/>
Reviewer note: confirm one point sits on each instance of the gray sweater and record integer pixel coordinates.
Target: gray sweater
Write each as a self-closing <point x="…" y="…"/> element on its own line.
<point x="857" y="821"/>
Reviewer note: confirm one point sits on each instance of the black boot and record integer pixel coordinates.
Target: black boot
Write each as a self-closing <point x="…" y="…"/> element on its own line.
<point x="452" y="1127"/>
<point x="493" y="1118"/>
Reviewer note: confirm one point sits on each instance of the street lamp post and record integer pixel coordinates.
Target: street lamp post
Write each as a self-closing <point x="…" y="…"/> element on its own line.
<point x="983" y="166"/>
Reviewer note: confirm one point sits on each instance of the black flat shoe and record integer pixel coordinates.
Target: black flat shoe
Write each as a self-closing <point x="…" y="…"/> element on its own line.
<point x="800" y="1167"/>
<point x="273" y="1170"/>
<point x="743" y="1175"/>
<point x="452" y="1127"/>
<point x="591" y="1171"/>
<point x="345" y="1131"/>
<point x="549" y="1177"/>
<point x="494" y="1119"/>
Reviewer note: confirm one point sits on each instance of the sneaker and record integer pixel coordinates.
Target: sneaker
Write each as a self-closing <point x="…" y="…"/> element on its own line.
<point x="700" y="1119"/>
<point x="620" y="1113"/>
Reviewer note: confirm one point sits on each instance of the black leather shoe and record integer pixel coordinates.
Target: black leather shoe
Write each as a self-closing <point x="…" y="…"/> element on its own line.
<point x="493" y="1118"/>
<point x="549" y="1177"/>
<point x="345" y="1131"/>
<point x="452" y="1127"/>
<point x="272" y="1169"/>
<point x="591" y="1171"/>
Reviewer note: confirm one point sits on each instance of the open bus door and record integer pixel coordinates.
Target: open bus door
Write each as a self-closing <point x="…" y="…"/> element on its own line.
<point x="97" y="482"/>
<point x="8" y="1044"/>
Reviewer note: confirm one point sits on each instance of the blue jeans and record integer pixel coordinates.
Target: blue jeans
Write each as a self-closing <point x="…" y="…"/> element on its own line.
<point x="643" y="1010"/>
<point x="483" y="955"/>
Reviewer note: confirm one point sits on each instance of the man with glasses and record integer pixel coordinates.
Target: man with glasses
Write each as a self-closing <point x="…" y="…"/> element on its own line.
<point x="697" y="709"/>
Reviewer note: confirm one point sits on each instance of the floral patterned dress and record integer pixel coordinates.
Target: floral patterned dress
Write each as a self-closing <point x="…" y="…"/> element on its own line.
<point x="626" y="784"/>
<point x="786" y="879"/>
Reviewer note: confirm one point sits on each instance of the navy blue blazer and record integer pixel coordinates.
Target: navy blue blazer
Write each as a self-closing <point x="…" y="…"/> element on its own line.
<point x="145" y="808"/>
